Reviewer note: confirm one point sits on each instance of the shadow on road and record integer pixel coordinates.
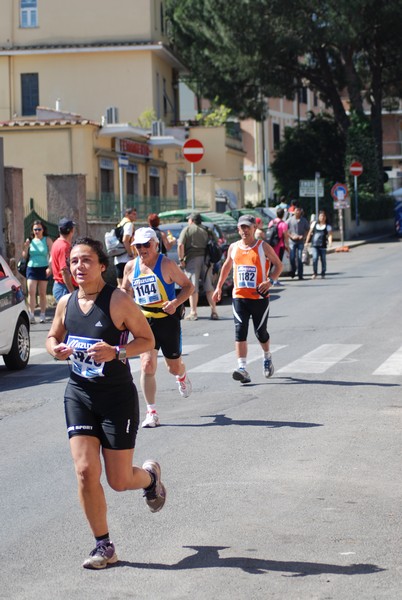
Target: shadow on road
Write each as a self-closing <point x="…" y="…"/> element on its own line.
<point x="207" y="557"/>
<point x="32" y="375"/>
<point x="298" y="380"/>
<point x="223" y="421"/>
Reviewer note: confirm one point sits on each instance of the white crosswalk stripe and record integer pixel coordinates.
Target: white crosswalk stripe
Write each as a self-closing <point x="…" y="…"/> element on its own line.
<point x="320" y="359"/>
<point x="227" y="362"/>
<point x="392" y="366"/>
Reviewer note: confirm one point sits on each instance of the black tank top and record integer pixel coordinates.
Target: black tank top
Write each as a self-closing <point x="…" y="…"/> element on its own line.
<point x="84" y="330"/>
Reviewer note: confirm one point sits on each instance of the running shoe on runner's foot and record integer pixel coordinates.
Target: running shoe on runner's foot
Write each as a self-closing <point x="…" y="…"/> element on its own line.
<point x="241" y="375"/>
<point x="151" y="419"/>
<point x="101" y="556"/>
<point x="184" y="385"/>
<point x="268" y="368"/>
<point x="155" y="495"/>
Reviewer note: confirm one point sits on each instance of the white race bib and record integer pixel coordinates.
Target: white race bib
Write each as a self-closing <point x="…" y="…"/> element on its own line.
<point x="82" y="364"/>
<point x="146" y="290"/>
<point x="246" y="276"/>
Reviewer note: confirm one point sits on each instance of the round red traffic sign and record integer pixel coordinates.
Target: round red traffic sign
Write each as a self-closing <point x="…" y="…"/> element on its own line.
<point x="339" y="192"/>
<point x="193" y="150"/>
<point x="356" y="168"/>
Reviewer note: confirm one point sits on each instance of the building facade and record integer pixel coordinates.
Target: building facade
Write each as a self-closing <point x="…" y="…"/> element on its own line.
<point x="72" y="92"/>
<point x="261" y="140"/>
<point x="93" y="56"/>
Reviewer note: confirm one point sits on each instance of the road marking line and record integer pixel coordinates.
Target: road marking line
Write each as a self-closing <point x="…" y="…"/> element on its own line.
<point x="321" y="359"/>
<point x="392" y="366"/>
<point x="36" y="351"/>
<point x="227" y="362"/>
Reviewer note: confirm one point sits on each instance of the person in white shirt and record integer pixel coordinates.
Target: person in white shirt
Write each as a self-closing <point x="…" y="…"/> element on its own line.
<point x="120" y="261"/>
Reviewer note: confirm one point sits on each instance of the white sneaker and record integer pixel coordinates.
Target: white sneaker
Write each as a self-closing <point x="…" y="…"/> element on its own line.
<point x="241" y="375"/>
<point x="42" y="318"/>
<point x="151" y="419"/>
<point x="184" y="385"/>
<point x="32" y="318"/>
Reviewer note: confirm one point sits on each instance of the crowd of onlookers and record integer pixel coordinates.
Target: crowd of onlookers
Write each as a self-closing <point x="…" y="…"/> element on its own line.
<point x="289" y="232"/>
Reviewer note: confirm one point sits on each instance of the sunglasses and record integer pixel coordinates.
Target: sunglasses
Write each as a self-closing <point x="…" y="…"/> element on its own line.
<point x="38" y="229"/>
<point x="146" y="245"/>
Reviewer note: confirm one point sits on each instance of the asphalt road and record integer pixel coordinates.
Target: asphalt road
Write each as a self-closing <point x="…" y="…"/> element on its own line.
<point x="287" y="488"/>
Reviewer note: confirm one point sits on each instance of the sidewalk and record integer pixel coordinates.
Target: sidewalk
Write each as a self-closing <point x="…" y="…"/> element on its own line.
<point x="339" y="247"/>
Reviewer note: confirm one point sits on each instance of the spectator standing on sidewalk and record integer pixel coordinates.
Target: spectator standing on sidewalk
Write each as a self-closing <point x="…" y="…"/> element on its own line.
<point x="150" y="278"/>
<point x="63" y="282"/>
<point x="283" y="233"/>
<point x="90" y="329"/>
<point x="191" y="249"/>
<point x="298" y="227"/>
<point x="321" y="236"/>
<point x="37" y="251"/>
<point x="255" y="268"/>
<point x="127" y="222"/>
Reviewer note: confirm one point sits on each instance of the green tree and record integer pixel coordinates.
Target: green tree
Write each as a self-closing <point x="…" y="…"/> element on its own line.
<point x="244" y="51"/>
<point x="217" y="115"/>
<point x="316" y="145"/>
<point x="146" y="118"/>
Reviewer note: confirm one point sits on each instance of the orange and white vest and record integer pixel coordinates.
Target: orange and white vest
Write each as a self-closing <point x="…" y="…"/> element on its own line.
<point x="250" y="268"/>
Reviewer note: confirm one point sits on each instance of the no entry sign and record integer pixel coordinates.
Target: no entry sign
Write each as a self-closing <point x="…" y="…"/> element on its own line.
<point x="356" y="168"/>
<point x="193" y="150"/>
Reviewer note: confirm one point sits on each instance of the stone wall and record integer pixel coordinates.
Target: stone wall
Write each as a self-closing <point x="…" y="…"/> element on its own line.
<point x="66" y="197"/>
<point x="14" y="214"/>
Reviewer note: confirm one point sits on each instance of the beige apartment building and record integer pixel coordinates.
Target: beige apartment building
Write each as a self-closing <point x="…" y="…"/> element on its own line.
<point x="74" y="80"/>
<point x="71" y="91"/>
<point x="85" y="57"/>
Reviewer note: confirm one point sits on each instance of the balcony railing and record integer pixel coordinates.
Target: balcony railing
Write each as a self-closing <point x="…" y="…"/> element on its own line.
<point x="106" y="207"/>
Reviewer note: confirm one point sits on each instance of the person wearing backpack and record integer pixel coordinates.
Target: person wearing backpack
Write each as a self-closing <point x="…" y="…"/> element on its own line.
<point x="282" y="242"/>
<point x="321" y="236"/>
<point x="127" y="237"/>
<point x="191" y="250"/>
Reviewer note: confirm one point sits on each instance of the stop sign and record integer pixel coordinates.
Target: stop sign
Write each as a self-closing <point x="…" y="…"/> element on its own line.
<point x="193" y="150"/>
<point x="356" y="168"/>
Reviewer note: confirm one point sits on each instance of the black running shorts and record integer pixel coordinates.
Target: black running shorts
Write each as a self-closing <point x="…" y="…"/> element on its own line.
<point x="167" y="333"/>
<point x="106" y="411"/>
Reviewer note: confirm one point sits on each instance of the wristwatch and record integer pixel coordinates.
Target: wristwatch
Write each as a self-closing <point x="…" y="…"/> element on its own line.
<point x="271" y="281"/>
<point x="121" y="353"/>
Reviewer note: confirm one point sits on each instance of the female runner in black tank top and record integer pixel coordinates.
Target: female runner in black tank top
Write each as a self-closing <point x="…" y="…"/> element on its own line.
<point x="90" y="329"/>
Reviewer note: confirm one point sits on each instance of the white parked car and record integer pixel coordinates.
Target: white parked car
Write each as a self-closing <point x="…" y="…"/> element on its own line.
<point x="15" y="342"/>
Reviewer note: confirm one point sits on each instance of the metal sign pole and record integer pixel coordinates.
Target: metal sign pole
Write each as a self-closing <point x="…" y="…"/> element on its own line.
<point x="340" y="214"/>
<point x="356" y="203"/>
<point x="192" y="187"/>
<point x="317" y="177"/>
<point x="121" y="191"/>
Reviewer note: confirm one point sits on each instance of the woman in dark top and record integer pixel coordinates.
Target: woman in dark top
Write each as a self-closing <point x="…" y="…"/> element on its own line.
<point x="320" y="235"/>
<point x="90" y="329"/>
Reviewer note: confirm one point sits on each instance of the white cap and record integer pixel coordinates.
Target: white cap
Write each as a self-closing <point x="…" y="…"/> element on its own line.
<point x="143" y="235"/>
